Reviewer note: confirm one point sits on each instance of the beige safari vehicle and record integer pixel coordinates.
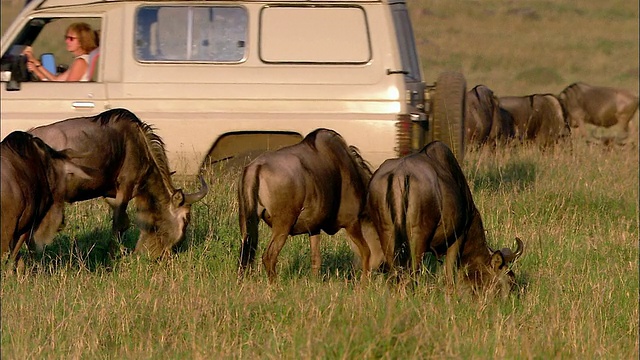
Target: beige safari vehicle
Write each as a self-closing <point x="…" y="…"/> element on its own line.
<point x="224" y="80"/>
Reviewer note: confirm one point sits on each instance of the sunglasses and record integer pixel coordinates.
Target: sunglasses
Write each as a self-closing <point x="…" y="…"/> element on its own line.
<point x="70" y="38"/>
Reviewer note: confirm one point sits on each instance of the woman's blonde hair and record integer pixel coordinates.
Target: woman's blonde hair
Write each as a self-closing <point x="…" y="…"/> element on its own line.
<point x="86" y="36"/>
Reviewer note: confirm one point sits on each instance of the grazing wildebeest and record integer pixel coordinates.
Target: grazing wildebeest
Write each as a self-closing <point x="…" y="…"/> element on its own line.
<point x="537" y="117"/>
<point x="319" y="184"/>
<point x="599" y="106"/>
<point x="485" y="121"/>
<point x="421" y="203"/>
<point x="133" y="165"/>
<point x="33" y="189"/>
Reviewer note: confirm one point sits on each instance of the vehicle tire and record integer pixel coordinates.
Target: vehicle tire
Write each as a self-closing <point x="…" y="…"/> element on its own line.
<point x="449" y="110"/>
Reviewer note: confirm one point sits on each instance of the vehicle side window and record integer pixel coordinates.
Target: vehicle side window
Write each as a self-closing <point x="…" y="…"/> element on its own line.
<point x="314" y="35"/>
<point x="46" y="35"/>
<point x="191" y="33"/>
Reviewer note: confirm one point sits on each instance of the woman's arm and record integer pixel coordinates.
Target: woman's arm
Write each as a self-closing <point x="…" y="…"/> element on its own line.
<point x="74" y="73"/>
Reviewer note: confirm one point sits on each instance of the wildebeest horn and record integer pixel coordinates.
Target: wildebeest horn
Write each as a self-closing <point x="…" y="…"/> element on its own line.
<point x="192" y="198"/>
<point x="510" y="256"/>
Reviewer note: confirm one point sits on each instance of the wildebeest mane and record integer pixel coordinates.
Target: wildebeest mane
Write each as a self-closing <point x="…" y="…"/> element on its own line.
<point x="364" y="168"/>
<point x="155" y="145"/>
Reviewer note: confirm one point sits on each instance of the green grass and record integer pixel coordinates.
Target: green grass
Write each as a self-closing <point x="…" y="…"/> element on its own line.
<point x="575" y="207"/>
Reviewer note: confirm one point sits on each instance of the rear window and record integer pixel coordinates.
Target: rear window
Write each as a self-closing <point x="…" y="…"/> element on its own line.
<point x="191" y="33"/>
<point x="332" y="34"/>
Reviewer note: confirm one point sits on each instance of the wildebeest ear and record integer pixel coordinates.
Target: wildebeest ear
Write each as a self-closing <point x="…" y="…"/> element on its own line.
<point x="177" y="199"/>
<point x="497" y="260"/>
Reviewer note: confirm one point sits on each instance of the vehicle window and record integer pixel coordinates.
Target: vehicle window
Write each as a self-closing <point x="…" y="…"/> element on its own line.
<point x="47" y="36"/>
<point x="404" y="34"/>
<point x="317" y="34"/>
<point x="191" y="33"/>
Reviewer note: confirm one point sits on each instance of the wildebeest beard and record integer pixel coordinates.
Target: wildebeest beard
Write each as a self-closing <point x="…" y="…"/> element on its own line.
<point x="162" y="218"/>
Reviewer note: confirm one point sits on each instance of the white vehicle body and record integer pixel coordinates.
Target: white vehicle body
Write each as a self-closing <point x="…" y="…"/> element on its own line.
<point x="223" y="79"/>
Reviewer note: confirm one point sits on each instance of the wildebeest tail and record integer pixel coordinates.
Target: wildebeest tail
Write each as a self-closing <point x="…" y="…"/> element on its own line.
<point x="248" y="215"/>
<point x="398" y="202"/>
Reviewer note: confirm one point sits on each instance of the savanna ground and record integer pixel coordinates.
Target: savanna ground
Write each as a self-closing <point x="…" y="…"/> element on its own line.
<point x="574" y="206"/>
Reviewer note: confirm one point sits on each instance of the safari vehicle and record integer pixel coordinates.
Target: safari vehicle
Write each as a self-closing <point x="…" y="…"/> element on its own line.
<point x="228" y="79"/>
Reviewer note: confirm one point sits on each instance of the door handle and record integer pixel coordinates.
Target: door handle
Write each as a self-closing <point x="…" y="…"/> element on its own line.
<point x="83" y="104"/>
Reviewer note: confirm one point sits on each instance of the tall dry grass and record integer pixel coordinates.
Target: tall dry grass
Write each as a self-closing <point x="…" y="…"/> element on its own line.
<point x="575" y="208"/>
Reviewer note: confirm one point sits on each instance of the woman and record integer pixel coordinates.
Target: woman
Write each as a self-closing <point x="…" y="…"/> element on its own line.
<point x="80" y="40"/>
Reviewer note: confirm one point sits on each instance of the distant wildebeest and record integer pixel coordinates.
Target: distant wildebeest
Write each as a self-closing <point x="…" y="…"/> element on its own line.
<point x="537" y="117"/>
<point x="600" y="106"/>
<point x="133" y="165"/>
<point x="33" y="188"/>
<point x="422" y="203"/>
<point x="485" y="121"/>
<point x="319" y="184"/>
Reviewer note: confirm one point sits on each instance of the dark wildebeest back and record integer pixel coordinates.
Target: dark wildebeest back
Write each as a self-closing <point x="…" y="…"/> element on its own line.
<point x="133" y="164"/>
<point x="537" y="117"/>
<point x="485" y="121"/>
<point x="600" y="106"/>
<point x="316" y="185"/>
<point x="33" y="189"/>
<point x="421" y="203"/>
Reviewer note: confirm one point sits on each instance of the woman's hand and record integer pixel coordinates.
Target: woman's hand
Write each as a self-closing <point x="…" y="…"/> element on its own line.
<point x="28" y="52"/>
<point x="32" y="65"/>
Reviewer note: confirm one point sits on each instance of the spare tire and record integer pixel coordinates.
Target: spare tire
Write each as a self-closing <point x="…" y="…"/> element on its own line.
<point x="448" y="111"/>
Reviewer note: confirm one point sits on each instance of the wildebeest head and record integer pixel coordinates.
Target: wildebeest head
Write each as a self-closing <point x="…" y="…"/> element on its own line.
<point x="496" y="276"/>
<point x="163" y="218"/>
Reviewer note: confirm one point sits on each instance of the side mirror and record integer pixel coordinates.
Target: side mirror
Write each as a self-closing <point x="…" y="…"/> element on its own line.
<point x="19" y="73"/>
<point x="49" y="62"/>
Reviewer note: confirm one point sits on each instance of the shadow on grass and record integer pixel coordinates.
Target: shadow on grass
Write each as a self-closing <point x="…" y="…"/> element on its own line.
<point x="341" y="264"/>
<point x="514" y="175"/>
<point x="92" y="251"/>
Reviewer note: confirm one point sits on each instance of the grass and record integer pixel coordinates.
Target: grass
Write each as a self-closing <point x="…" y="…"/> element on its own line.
<point x="578" y="277"/>
<point x="574" y="206"/>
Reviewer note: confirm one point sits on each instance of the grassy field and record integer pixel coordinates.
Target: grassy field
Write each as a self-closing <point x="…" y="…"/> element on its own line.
<point x="574" y="206"/>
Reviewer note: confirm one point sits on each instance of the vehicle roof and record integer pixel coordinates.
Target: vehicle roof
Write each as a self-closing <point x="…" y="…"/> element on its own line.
<point x="55" y="3"/>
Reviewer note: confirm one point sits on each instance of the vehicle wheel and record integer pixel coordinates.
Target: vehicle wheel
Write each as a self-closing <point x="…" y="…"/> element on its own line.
<point x="449" y="110"/>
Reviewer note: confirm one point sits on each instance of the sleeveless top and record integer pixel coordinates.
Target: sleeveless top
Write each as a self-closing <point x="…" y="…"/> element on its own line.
<point x="85" y="76"/>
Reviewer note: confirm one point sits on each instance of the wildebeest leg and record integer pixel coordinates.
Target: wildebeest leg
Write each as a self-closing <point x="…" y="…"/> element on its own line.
<point x="316" y="257"/>
<point x="375" y="246"/>
<point x="355" y="233"/>
<point x="418" y="241"/>
<point x="249" y="245"/>
<point x="270" y="257"/>
<point x="451" y="262"/>
<point x="14" y="256"/>
<point x="121" y="221"/>
<point x="49" y="226"/>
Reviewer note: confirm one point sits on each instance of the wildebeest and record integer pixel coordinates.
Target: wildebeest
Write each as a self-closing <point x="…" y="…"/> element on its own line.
<point x="600" y="106"/>
<point x="133" y="164"/>
<point x="421" y="203"/>
<point x="537" y="117"/>
<point x="33" y="187"/>
<point x="485" y="121"/>
<point x="316" y="185"/>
